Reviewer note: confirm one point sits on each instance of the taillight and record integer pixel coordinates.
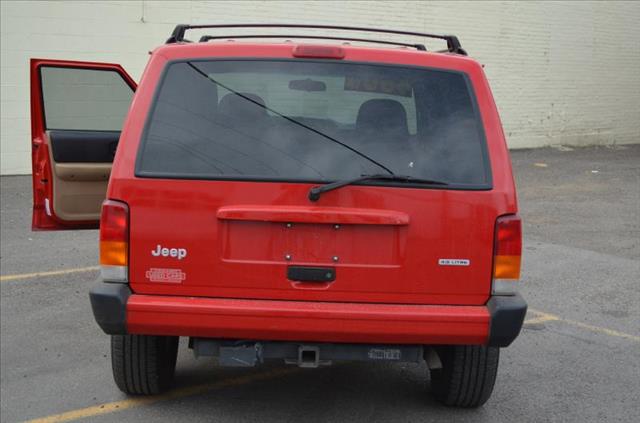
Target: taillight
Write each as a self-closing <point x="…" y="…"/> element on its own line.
<point x="507" y="254"/>
<point x="114" y="241"/>
<point x="315" y="51"/>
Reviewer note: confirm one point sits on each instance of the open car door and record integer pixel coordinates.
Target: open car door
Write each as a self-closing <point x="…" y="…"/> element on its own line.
<point x="77" y="112"/>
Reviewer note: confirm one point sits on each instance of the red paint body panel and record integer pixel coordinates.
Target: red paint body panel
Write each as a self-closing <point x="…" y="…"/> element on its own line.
<point x="43" y="219"/>
<point x="377" y="263"/>
<point x="236" y="235"/>
<point x="307" y="321"/>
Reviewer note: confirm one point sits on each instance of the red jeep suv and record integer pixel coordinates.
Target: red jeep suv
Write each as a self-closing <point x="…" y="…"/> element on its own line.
<point x="305" y="202"/>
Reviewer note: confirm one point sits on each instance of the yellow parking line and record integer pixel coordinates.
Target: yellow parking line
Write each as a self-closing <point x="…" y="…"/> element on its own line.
<point x="111" y="407"/>
<point x="7" y="278"/>
<point x="547" y="317"/>
<point x="605" y="331"/>
<point x="542" y="317"/>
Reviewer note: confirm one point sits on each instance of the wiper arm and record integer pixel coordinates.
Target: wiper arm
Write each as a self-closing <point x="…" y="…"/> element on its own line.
<point x="295" y="122"/>
<point x="315" y="192"/>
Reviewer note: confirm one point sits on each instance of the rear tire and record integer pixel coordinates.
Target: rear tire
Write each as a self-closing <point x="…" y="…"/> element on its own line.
<point x="467" y="376"/>
<point x="143" y="364"/>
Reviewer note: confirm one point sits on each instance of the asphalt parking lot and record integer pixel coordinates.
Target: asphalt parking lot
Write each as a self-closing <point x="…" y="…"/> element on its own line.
<point x="577" y="359"/>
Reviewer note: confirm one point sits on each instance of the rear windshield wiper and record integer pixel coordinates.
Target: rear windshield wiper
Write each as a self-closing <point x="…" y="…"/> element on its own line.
<point x="315" y="192"/>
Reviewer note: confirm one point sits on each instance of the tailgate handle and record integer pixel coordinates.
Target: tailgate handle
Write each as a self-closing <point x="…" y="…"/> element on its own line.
<point x="311" y="274"/>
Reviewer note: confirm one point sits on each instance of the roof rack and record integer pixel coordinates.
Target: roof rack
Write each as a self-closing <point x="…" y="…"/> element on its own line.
<point x="453" y="44"/>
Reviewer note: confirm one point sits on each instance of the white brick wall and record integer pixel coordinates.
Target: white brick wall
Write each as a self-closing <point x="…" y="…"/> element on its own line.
<point x="562" y="72"/>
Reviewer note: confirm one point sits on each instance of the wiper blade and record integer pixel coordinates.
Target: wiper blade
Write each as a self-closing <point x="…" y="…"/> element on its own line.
<point x="315" y="192"/>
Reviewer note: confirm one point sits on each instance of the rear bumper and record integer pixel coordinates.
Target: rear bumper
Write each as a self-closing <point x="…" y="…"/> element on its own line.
<point x="118" y="311"/>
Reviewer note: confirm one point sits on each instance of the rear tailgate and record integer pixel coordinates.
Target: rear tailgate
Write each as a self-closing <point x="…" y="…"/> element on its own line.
<point x="237" y="240"/>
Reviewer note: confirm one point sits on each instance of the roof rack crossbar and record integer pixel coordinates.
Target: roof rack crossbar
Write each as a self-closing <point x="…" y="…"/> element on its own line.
<point x="205" y="38"/>
<point x="453" y="44"/>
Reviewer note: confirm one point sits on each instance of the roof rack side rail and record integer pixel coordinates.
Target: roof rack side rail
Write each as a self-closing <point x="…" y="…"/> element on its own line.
<point x="453" y="44"/>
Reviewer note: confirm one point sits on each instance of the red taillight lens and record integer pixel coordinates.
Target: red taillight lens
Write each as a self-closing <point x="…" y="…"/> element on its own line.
<point x="508" y="248"/>
<point x="324" y="52"/>
<point x="114" y="240"/>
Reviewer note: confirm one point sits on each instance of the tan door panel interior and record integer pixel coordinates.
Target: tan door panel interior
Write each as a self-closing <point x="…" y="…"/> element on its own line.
<point x="87" y="172"/>
<point x="79" y="189"/>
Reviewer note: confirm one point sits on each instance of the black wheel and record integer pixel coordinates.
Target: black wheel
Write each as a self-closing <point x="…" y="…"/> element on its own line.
<point x="143" y="364"/>
<point x="467" y="375"/>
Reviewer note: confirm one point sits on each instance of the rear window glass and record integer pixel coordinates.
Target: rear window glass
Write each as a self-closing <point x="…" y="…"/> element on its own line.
<point x="313" y="121"/>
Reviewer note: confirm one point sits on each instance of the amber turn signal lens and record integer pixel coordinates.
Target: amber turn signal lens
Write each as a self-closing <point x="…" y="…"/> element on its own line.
<point x="506" y="267"/>
<point x="113" y="253"/>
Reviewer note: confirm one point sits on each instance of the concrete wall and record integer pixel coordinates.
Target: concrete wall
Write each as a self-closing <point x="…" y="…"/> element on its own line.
<point x="562" y="72"/>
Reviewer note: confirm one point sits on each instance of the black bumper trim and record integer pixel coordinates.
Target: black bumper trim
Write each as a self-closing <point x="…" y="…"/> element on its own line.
<point x="109" y="304"/>
<point x="507" y="315"/>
